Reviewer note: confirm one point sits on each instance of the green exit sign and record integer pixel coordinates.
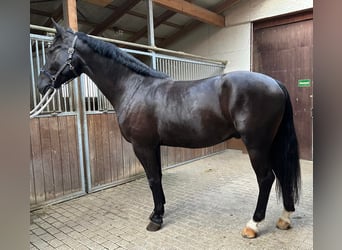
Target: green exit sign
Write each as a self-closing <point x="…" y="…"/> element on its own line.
<point x="304" y="83"/>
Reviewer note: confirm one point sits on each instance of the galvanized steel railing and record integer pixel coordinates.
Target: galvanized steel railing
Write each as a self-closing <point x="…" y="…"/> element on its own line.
<point x="187" y="69"/>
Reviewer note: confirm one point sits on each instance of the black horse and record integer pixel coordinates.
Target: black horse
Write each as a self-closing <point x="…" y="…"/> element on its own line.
<point x="154" y="110"/>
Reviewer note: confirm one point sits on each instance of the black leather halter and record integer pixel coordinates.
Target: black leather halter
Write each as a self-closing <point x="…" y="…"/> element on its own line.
<point x="71" y="51"/>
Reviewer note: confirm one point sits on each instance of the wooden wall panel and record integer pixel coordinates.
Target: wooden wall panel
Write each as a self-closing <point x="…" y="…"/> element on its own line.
<point x="37" y="164"/>
<point x="106" y="149"/>
<point x="56" y="155"/>
<point x="46" y="158"/>
<point x="129" y="159"/>
<point x="64" y="140"/>
<point x="54" y="166"/>
<point x="111" y="156"/>
<point x="73" y="154"/>
<point x="116" y="151"/>
<point x="32" y="184"/>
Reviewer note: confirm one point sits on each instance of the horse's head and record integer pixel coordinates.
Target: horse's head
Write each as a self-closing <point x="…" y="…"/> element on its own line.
<point x="62" y="64"/>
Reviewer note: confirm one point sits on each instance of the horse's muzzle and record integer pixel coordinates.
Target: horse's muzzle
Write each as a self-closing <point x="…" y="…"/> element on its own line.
<point x="44" y="84"/>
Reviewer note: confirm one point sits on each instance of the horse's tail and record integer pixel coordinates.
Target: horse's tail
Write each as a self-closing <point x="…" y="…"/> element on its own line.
<point x="285" y="155"/>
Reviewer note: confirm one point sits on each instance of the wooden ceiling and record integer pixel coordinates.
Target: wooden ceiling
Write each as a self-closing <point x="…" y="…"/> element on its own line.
<point x="126" y="19"/>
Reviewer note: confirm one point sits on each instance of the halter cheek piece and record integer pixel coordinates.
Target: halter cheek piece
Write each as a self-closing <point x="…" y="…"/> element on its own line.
<point x="71" y="51"/>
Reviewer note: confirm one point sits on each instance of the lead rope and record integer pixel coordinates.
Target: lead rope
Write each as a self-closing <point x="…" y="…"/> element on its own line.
<point x="36" y="111"/>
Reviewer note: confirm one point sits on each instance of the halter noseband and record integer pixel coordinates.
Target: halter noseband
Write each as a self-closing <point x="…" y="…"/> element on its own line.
<point x="71" y="51"/>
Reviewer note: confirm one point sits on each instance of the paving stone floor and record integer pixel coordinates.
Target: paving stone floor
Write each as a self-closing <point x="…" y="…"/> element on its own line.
<point x="208" y="202"/>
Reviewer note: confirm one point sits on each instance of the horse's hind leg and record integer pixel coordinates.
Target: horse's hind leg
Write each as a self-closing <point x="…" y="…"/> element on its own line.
<point x="284" y="221"/>
<point x="261" y="164"/>
<point x="150" y="159"/>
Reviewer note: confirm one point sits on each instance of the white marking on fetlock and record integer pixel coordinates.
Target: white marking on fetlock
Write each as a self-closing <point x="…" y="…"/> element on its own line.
<point x="285" y="216"/>
<point x="253" y="225"/>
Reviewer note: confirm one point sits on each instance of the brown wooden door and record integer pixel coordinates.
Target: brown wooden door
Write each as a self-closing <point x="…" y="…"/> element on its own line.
<point x="282" y="48"/>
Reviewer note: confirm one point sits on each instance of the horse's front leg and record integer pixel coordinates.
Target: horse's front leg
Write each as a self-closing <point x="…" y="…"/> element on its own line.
<point x="150" y="159"/>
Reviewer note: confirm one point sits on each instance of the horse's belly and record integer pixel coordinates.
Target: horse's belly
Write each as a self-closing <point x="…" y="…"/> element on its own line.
<point x="196" y="143"/>
<point x="181" y="135"/>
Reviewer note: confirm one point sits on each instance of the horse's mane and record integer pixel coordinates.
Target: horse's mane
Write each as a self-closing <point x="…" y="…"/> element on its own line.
<point x="109" y="50"/>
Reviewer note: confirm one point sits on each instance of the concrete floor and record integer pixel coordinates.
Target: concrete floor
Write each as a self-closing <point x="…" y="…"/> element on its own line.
<point x="208" y="202"/>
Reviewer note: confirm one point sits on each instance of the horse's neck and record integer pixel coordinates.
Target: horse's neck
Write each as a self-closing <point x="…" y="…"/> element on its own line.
<point x="113" y="79"/>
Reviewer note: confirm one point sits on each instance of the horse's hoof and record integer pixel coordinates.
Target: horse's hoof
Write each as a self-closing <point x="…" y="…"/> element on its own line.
<point x="283" y="225"/>
<point x="248" y="233"/>
<point x="152" y="226"/>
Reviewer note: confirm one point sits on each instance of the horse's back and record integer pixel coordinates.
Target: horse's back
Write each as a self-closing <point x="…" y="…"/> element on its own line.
<point x="253" y="81"/>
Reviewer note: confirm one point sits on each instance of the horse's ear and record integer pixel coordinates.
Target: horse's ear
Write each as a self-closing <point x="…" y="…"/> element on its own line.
<point x="60" y="30"/>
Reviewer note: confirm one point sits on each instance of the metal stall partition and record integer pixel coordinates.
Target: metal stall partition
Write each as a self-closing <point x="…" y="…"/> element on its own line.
<point x="56" y="165"/>
<point x="76" y="144"/>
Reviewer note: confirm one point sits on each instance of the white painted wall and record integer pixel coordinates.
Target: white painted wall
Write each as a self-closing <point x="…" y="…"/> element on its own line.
<point x="232" y="43"/>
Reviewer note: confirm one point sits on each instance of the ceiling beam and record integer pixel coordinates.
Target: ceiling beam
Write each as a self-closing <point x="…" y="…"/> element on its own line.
<point x="70" y="14"/>
<point x="218" y="8"/>
<point x="116" y="15"/>
<point x="193" y="10"/>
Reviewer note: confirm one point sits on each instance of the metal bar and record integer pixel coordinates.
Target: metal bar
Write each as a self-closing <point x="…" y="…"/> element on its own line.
<point x="189" y="60"/>
<point x="41" y="37"/>
<point x="70" y="94"/>
<point x="131" y="51"/>
<point x="34" y="96"/>
<point x="37" y="61"/>
<point x="82" y="137"/>
<point x="150" y="33"/>
<point x="37" y="57"/>
<point x="62" y="92"/>
<point x="150" y="26"/>
<point x="86" y="83"/>
<point x="153" y="57"/>
<point x="99" y="99"/>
